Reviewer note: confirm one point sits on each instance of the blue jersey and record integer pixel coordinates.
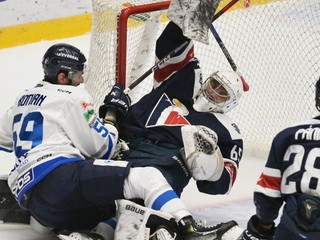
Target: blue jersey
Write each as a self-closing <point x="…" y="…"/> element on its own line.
<point x="160" y="114"/>
<point x="292" y="169"/>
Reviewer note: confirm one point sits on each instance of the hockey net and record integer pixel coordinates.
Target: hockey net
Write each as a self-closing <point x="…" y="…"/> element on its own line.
<point x="275" y="45"/>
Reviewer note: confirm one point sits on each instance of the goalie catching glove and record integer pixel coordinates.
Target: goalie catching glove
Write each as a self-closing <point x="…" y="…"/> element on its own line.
<point x="116" y="102"/>
<point x="201" y="153"/>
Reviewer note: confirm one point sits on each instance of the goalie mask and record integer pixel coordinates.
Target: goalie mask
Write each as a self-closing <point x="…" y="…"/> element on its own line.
<point x="62" y="58"/>
<point x="219" y="93"/>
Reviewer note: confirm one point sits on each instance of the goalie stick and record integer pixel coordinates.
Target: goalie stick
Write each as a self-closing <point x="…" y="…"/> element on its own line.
<point x="173" y="52"/>
<point x="228" y="56"/>
<point x="224" y="9"/>
<point x="155" y="67"/>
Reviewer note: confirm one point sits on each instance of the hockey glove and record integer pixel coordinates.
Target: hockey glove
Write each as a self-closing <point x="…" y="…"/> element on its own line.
<point x="201" y="153"/>
<point x="116" y="101"/>
<point x="254" y="230"/>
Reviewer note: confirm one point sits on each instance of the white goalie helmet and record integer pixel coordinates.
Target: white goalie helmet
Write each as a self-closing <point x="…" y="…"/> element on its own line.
<point x="220" y="92"/>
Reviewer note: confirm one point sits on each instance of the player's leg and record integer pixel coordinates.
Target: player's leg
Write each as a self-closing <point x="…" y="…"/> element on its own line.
<point x="166" y="159"/>
<point x="149" y="184"/>
<point x="78" y="195"/>
<point x="158" y="195"/>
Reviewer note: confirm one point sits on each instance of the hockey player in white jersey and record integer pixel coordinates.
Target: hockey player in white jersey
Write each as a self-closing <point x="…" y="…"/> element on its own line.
<point x="62" y="173"/>
<point x="290" y="179"/>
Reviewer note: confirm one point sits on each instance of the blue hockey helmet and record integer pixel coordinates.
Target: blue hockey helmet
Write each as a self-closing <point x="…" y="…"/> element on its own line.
<point x="62" y="57"/>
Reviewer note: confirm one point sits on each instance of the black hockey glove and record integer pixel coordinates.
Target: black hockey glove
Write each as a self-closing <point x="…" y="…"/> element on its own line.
<point x="117" y="101"/>
<point x="254" y="232"/>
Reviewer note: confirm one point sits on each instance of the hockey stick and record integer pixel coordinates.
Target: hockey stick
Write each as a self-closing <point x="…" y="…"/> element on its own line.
<point x="173" y="52"/>
<point x="224" y="9"/>
<point x="228" y="56"/>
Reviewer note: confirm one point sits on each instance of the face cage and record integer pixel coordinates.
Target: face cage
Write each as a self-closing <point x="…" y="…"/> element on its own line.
<point x="213" y="93"/>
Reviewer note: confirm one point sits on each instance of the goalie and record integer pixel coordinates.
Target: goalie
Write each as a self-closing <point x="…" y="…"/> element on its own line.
<point x="180" y="127"/>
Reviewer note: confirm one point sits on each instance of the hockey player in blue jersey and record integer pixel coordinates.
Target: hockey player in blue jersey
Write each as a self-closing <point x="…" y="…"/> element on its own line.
<point x="290" y="177"/>
<point x="180" y="127"/>
<point x="62" y="174"/>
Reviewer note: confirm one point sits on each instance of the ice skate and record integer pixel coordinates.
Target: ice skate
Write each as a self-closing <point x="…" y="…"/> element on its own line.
<point x="164" y="233"/>
<point x="80" y="236"/>
<point x="193" y="230"/>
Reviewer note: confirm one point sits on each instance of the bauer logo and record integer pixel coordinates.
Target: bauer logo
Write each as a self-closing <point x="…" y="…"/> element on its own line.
<point x="135" y="209"/>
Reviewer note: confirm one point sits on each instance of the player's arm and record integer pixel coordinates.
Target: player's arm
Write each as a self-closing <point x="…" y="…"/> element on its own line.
<point x="89" y="134"/>
<point x="171" y="38"/>
<point x="115" y="106"/>
<point x="228" y="176"/>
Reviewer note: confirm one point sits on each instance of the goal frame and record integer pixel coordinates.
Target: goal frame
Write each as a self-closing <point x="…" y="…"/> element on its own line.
<point x="121" y="56"/>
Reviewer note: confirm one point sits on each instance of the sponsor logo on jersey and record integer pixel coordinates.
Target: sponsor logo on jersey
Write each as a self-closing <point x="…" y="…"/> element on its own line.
<point x="21" y="162"/>
<point x="85" y="105"/>
<point x="168" y="113"/>
<point x="236" y="128"/>
<point x="88" y="115"/>
<point x="64" y="91"/>
<point x="21" y="182"/>
<point x="44" y="157"/>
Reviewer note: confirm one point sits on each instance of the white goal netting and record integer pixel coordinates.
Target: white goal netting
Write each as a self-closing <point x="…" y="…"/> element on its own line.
<point x="275" y="45"/>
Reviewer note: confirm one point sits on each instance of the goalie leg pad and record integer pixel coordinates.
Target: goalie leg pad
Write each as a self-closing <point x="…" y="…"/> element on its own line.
<point x="137" y="222"/>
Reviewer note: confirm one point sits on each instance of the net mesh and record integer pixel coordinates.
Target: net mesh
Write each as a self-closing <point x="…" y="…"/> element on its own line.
<point x="275" y="45"/>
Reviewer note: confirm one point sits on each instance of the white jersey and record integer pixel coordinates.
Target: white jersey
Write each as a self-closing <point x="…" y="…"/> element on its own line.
<point x="49" y="125"/>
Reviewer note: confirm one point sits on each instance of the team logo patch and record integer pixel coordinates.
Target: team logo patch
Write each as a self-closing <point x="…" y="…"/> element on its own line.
<point x="85" y="105"/>
<point x="88" y="115"/>
<point x="169" y="113"/>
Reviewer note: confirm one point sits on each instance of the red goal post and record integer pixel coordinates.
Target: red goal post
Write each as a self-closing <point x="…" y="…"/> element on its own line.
<point x="275" y="44"/>
<point x="122" y="33"/>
